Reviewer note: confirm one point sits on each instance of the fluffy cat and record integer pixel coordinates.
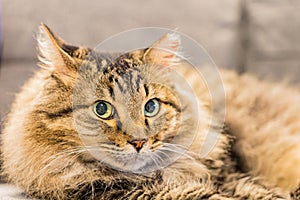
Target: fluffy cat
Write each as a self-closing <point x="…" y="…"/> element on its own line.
<point x="92" y="125"/>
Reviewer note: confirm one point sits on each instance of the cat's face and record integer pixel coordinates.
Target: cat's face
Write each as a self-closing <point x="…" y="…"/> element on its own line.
<point x="129" y="111"/>
<point x="126" y="118"/>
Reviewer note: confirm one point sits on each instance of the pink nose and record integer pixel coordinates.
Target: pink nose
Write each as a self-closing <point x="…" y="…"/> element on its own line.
<point x="137" y="143"/>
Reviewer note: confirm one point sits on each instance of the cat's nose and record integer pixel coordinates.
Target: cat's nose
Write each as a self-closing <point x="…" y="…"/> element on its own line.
<point x="138" y="143"/>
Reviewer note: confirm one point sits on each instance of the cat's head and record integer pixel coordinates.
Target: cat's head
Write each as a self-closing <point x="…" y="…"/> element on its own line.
<point x="131" y="110"/>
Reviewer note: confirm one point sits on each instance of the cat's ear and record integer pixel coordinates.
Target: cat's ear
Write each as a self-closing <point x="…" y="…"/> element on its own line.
<point x="165" y="51"/>
<point x="58" y="57"/>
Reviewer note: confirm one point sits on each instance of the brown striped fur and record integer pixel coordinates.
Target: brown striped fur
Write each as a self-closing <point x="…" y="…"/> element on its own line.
<point x="43" y="141"/>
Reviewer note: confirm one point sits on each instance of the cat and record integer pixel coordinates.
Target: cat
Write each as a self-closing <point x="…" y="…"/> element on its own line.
<point x="92" y="125"/>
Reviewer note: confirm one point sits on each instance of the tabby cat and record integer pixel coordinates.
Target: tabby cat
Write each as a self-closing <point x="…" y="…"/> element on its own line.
<point x="92" y="125"/>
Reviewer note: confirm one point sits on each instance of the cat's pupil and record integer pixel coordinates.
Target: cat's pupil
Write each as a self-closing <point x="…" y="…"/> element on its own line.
<point x="101" y="108"/>
<point x="150" y="106"/>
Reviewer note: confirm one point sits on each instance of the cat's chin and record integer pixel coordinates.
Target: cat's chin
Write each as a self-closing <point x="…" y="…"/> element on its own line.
<point x="138" y="163"/>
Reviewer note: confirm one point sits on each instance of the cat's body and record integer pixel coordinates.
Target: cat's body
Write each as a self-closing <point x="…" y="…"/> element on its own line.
<point x="47" y="136"/>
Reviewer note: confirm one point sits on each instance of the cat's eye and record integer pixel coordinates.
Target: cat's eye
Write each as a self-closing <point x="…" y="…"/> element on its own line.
<point x="103" y="109"/>
<point x="151" y="107"/>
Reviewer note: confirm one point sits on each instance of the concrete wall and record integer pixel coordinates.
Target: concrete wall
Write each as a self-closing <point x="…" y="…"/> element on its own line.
<point x="90" y="22"/>
<point x="274" y="38"/>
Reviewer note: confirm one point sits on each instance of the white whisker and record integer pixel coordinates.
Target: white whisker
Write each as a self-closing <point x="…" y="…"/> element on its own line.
<point x="157" y="156"/>
<point x="154" y="160"/>
<point x="177" y="152"/>
<point x="181" y="147"/>
<point x="162" y="152"/>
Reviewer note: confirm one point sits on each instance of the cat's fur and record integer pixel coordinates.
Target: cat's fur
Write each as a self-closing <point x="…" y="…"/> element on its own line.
<point x="44" y="151"/>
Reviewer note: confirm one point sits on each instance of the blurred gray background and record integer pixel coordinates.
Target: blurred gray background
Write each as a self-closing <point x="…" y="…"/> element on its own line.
<point x="256" y="36"/>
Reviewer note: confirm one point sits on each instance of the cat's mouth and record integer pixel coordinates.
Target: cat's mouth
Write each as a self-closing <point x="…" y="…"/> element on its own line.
<point x="132" y="160"/>
<point x="135" y="162"/>
<point x="138" y="157"/>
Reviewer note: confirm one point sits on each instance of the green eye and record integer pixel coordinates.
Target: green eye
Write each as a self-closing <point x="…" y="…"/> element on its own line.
<point x="151" y="108"/>
<point x="103" y="109"/>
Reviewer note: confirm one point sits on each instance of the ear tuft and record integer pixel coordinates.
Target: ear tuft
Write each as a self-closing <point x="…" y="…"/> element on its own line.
<point x="165" y="51"/>
<point x="49" y="54"/>
<point x="56" y="56"/>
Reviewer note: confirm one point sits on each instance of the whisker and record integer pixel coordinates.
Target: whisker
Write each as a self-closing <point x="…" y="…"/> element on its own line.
<point x="160" y="151"/>
<point x="176" y="145"/>
<point x="69" y="155"/>
<point x="156" y="155"/>
<point x="181" y="147"/>
<point x="102" y="160"/>
<point x="177" y="152"/>
<point x="154" y="160"/>
<point x="66" y="152"/>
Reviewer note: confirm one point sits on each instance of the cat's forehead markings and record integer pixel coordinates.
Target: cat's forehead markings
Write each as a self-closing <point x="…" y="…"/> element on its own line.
<point x="122" y="65"/>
